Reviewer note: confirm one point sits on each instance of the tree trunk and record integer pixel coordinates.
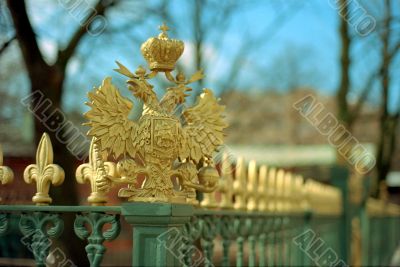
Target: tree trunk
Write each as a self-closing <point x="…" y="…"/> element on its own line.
<point x="49" y="81"/>
<point x="344" y="86"/>
<point x="388" y="123"/>
<point x="46" y="88"/>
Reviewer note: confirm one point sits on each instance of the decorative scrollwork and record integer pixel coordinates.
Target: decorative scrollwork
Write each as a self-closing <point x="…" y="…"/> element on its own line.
<point x="44" y="172"/>
<point x="38" y="228"/>
<point x="96" y="220"/>
<point x="191" y="231"/>
<point x="4" y="223"/>
<point x="226" y="228"/>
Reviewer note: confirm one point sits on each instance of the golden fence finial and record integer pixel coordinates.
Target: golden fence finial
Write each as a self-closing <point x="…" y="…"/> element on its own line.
<point x="6" y="174"/>
<point x="305" y="203"/>
<point x="239" y="185"/>
<point x="312" y="193"/>
<point x="95" y="172"/>
<point x="279" y="187"/>
<point x="322" y="198"/>
<point x="226" y="183"/>
<point x="271" y="190"/>
<point x="44" y="172"/>
<point x="252" y="181"/>
<point x="298" y="194"/>
<point x="287" y="192"/>
<point x="262" y="191"/>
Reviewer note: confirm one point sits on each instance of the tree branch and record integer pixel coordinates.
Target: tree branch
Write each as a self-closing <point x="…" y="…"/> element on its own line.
<point x="7" y="43"/>
<point x="362" y="98"/>
<point x="249" y="43"/>
<point x="99" y="9"/>
<point x="344" y="86"/>
<point x="25" y="35"/>
<point x="394" y="51"/>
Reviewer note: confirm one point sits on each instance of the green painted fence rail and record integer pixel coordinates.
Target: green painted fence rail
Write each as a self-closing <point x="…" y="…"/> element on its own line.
<point x="181" y="235"/>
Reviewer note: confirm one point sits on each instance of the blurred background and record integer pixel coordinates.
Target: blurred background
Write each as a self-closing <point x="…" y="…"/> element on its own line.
<point x="260" y="57"/>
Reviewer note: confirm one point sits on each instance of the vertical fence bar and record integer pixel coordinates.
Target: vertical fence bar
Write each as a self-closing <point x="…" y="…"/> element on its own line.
<point x="278" y="242"/>
<point x="255" y="228"/>
<point x="270" y="249"/>
<point x="209" y="232"/>
<point x="239" y="253"/>
<point x="339" y="178"/>
<point x="226" y="243"/>
<point x="252" y="250"/>
<point x="227" y="232"/>
<point x="241" y="227"/>
<point x="262" y="248"/>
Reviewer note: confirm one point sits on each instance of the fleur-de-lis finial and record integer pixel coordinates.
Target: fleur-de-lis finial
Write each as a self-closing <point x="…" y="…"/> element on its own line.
<point x="239" y="185"/>
<point x="44" y="172"/>
<point x="271" y="190"/>
<point x="252" y="181"/>
<point x="298" y="197"/>
<point x="6" y="174"/>
<point x="279" y="190"/>
<point x="226" y="187"/>
<point x="287" y="192"/>
<point x="95" y="172"/>
<point x="262" y="189"/>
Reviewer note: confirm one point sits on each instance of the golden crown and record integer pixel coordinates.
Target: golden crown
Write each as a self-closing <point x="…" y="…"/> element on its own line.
<point x="161" y="53"/>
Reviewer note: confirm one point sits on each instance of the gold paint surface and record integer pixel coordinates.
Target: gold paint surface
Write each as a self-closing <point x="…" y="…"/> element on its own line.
<point x="6" y="174"/>
<point x="166" y="154"/>
<point x="44" y="172"/>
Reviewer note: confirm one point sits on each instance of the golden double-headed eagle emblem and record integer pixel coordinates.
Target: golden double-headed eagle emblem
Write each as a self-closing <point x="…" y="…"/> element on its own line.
<point x="163" y="156"/>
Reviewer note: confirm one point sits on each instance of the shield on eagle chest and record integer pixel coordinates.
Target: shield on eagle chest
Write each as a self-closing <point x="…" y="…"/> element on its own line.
<point x="164" y="137"/>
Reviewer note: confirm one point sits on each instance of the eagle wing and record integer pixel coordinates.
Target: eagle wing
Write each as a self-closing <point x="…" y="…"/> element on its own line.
<point x="203" y="132"/>
<point x="108" y="119"/>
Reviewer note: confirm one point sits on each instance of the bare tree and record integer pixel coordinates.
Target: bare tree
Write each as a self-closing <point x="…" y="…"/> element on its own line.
<point x="49" y="80"/>
<point x="293" y="68"/>
<point x="347" y="111"/>
<point x="386" y="144"/>
<point x="7" y="36"/>
<point x="209" y="25"/>
<point x="344" y="86"/>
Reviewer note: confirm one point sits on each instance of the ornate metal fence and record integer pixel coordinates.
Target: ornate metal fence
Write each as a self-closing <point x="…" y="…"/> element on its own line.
<point x="184" y="209"/>
<point x="259" y="216"/>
